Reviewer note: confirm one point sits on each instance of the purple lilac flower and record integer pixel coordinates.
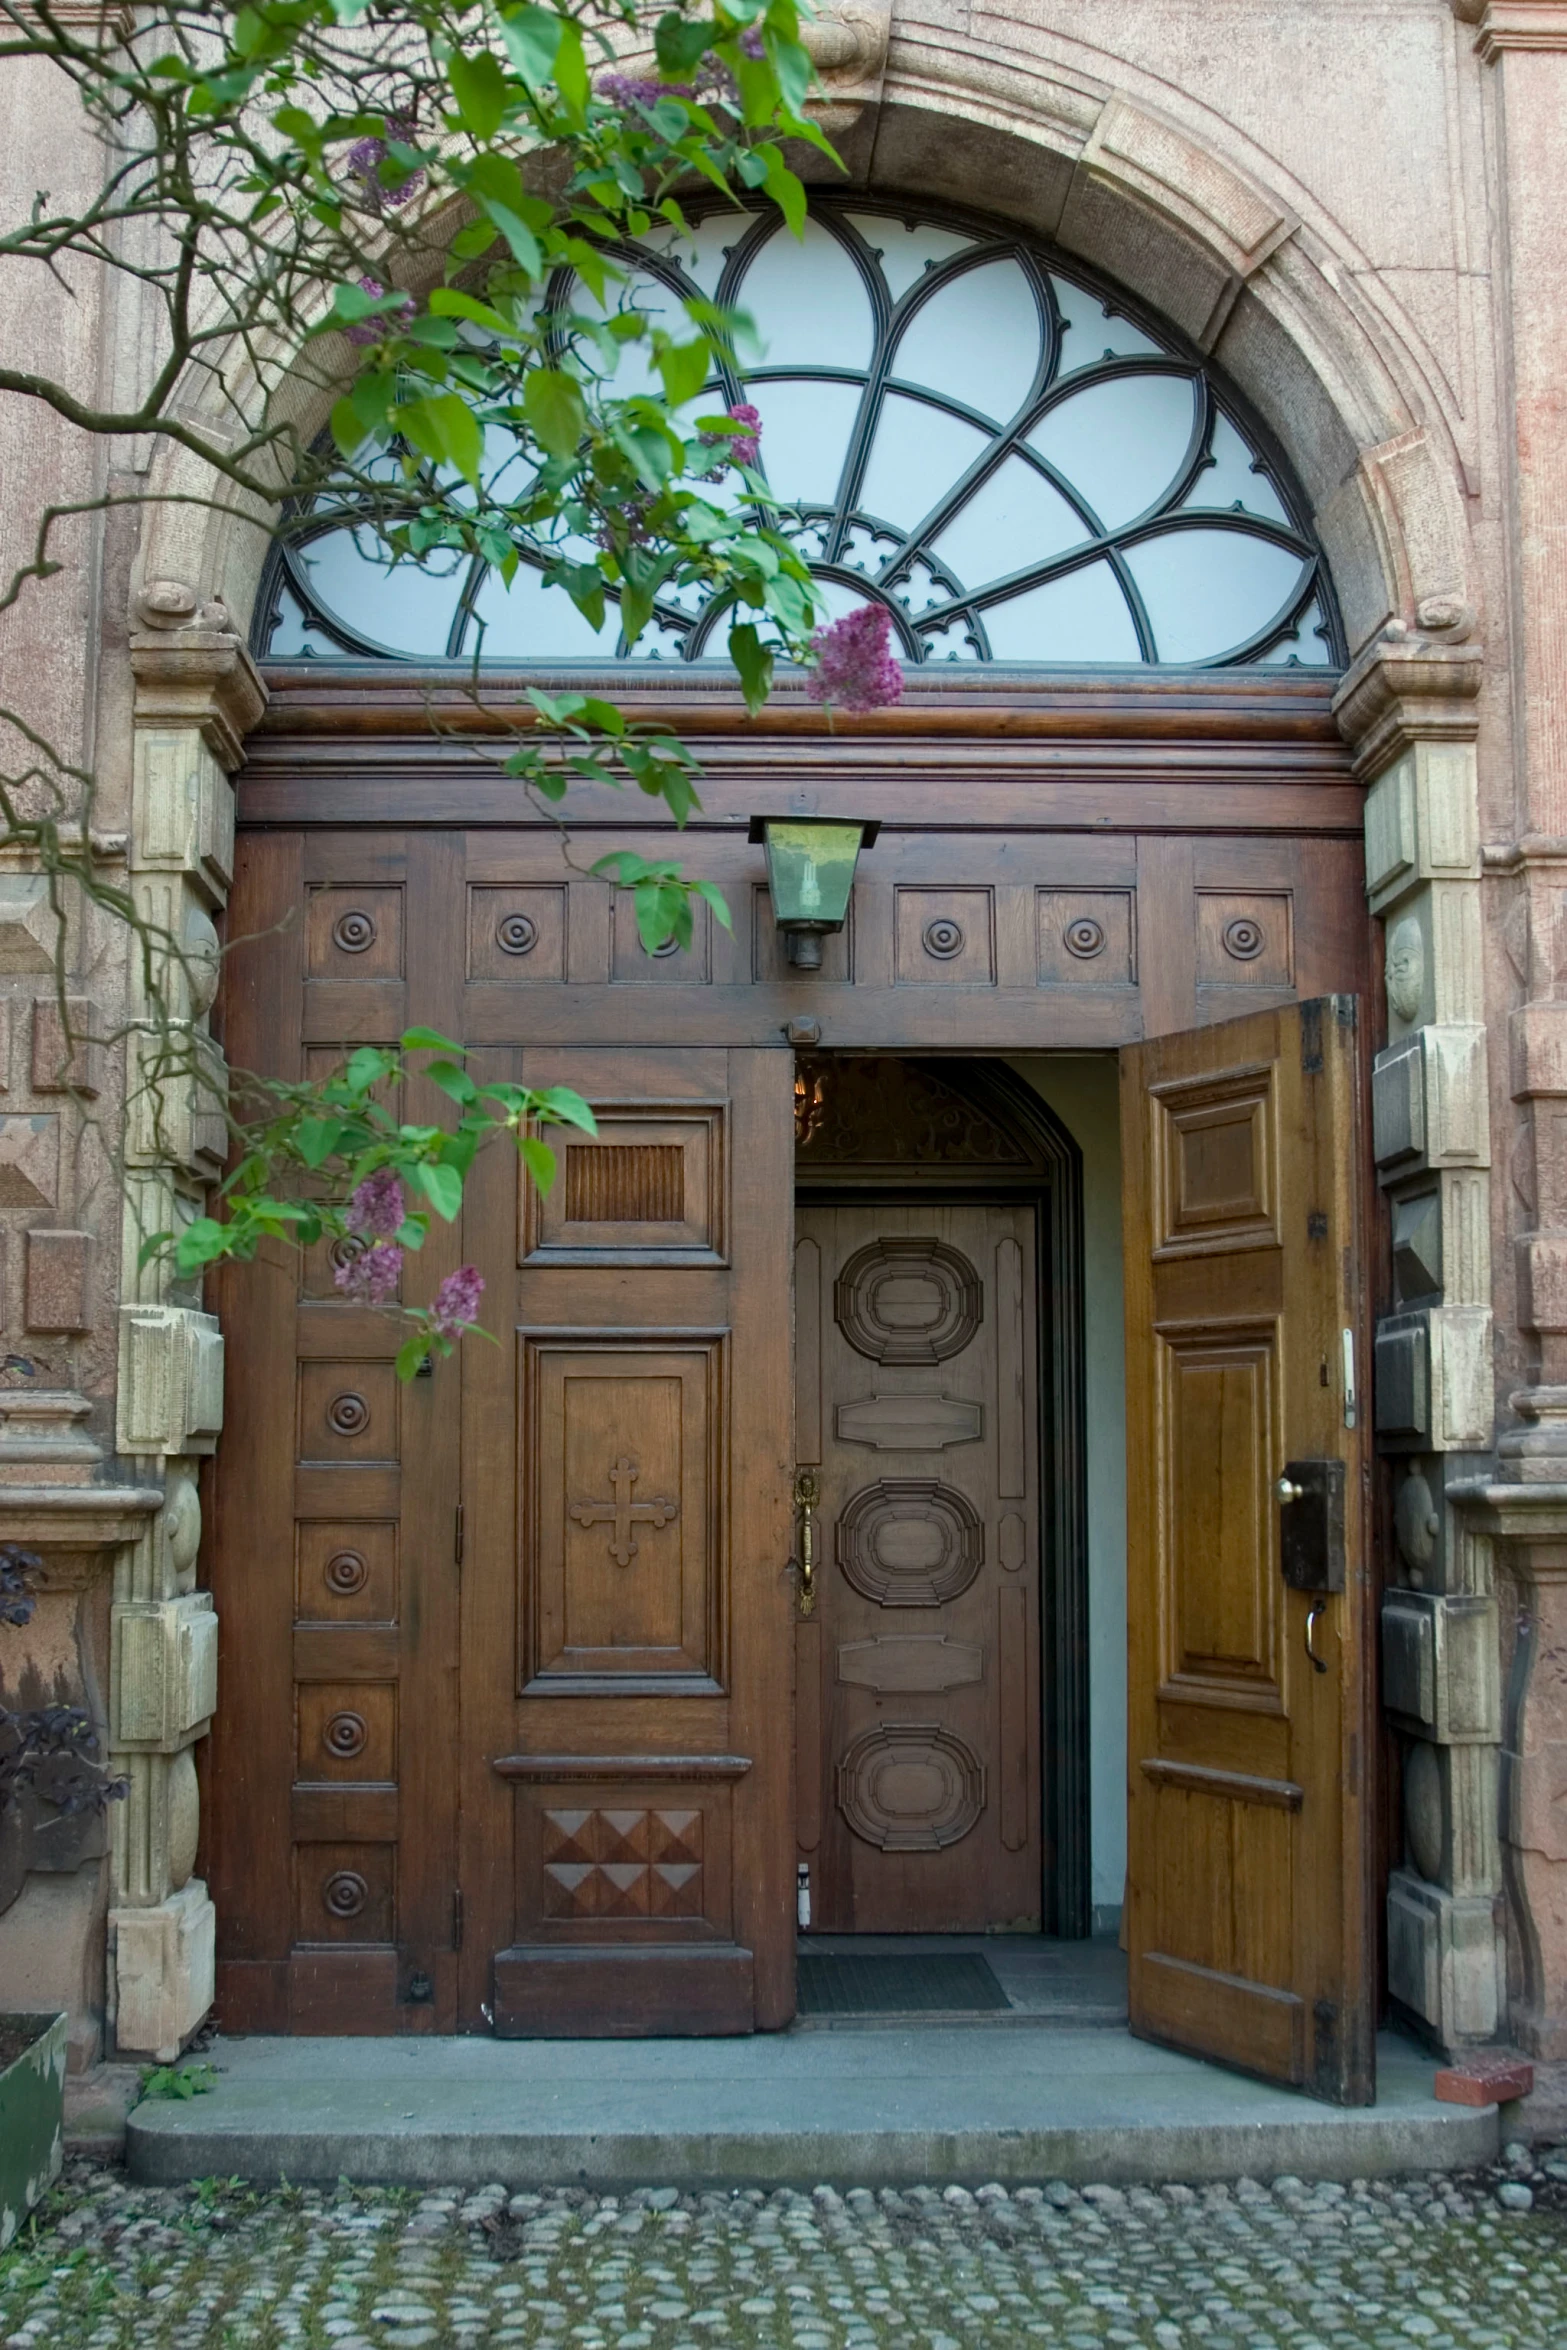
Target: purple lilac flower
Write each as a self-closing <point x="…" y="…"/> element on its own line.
<point x="753" y="43"/>
<point x="456" y="1304"/>
<point x="371" y="330"/>
<point x="745" y="447"/>
<point x="631" y="89"/>
<point x="377" y="1207"/>
<point x="371" y="1273"/>
<point x="364" y="161"/>
<point x="855" y="666"/>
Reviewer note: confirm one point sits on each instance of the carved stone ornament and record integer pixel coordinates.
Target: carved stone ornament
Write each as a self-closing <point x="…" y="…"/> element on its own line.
<point x="871" y="1111"/>
<point x="847" y="44"/>
<point x="909" y="1542"/>
<point x="1406" y="969"/>
<point x="911" y="1787"/>
<point x="908" y="1301"/>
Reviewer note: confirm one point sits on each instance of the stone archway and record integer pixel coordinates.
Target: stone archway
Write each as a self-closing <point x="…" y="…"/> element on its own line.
<point x="1192" y="230"/>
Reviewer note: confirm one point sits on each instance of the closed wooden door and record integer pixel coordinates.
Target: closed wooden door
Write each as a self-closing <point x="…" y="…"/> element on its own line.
<point x="1248" y="1878"/>
<point x="918" y="1664"/>
<point x="627" y="1620"/>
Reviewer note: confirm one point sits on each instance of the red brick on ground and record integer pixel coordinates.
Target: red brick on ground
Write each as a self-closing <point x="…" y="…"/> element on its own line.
<point x="1485" y="2080"/>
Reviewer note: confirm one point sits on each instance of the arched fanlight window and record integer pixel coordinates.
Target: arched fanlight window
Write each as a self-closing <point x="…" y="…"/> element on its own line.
<point x="970" y="433"/>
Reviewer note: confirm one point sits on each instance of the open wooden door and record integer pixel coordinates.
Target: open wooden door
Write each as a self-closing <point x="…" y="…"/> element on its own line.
<point x="628" y="1636"/>
<point x="1249" y="1870"/>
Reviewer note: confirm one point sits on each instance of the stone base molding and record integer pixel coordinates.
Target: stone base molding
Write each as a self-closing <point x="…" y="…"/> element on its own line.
<point x="1525" y="1524"/>
<point x="162" y="1968"/>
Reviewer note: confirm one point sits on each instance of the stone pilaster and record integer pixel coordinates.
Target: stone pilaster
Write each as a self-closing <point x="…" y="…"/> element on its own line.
<point x="1408" y="710"/>
<point x="197" y="695"/>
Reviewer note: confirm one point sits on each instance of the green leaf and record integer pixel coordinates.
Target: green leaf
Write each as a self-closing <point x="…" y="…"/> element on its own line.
<point x="711" y="895"/>
<point x="539" y="1160"/>
<point x="442" y="1187"/>
<point x="785" y="189"/>
<point x="444" y="428"/>
<point x="202" y="1242"/>
<point x="414" y="1040"/>
<point x="571" y="71"/>
<point x="450" y="302"/>
<point x="754" y="662"/>
<point x="524" y="244"/>
<point x="479" y="87"/>
<point x="553" y="406"/>
<point x="411" y="1354"/>
<point x="454" y="1082"/>
<point x="559" y="1102"/>
<point x="684" y="368"/>
<point x="532" y="38"/>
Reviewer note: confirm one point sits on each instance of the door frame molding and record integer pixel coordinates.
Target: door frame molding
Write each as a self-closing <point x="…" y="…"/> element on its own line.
<point x="1054" y="1183"/>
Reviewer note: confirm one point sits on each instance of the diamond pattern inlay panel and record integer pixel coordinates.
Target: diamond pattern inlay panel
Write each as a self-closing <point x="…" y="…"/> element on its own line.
<point x="622" y="1864"/>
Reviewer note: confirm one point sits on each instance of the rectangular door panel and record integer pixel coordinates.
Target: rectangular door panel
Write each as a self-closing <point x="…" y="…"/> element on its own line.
<point x="1248" y="1875"/>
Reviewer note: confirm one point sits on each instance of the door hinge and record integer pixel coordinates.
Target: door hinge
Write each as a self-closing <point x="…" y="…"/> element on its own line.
<point x="457" y="1535"/>
<point x="457" y="1917"/>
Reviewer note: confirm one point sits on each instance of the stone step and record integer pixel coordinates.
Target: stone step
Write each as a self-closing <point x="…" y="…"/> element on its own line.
<point x="878" y="2108"/>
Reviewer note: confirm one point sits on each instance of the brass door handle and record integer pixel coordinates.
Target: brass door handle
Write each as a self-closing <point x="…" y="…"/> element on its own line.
<point x="1288" y="1491"/>
<point x="807" y="1493"/>
<point x="1314" y="1616"/>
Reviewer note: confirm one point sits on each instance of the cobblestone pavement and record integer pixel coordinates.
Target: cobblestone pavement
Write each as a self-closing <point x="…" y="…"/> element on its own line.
<point x="1449" y="2264"/>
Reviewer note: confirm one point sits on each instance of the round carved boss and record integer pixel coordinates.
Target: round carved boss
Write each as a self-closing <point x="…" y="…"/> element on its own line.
<point x="344" y="1894"/>
<point x="346" y="1735"/>
<point x="908" y="1301"/>
<point x="516" y="934"/>
<point x="943" y="939"/>
<point x="1244" y="939"/>
<point x="345" y="1573"/>
<point x="910" y="1542"/>
<point x="1084" y="938"/>
<point x="354" y="931"/>
<point x="911" y="1787"/>
<point x="348" y="1414"/>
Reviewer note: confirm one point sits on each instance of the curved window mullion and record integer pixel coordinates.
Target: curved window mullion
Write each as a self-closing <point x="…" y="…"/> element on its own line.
<point x="897" y="442"/>
<point x="1147" y="642"/>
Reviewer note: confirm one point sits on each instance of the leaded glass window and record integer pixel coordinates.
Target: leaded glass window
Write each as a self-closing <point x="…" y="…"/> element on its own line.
<point x="958" y="426"/>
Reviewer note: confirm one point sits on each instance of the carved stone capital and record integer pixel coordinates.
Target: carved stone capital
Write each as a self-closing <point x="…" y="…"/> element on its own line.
<point x="1406" y="689"/>
<point x="1514" y="24"/>
<point x="192" y="669"/>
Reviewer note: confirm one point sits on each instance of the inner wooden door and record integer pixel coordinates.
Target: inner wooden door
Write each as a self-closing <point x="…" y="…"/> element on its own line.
<point x="918" y="1645"/>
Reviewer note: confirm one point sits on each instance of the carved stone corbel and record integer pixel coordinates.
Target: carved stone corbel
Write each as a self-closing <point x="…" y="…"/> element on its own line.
<point x="847" y="45"/>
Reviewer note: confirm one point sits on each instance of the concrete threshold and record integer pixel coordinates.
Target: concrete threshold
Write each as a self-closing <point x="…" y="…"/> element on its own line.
<point x="880" y="2108"/>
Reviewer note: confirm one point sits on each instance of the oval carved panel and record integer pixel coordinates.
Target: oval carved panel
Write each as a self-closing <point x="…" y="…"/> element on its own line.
<point x="911" y="1787"/>
<point x="348" y="1415"/>
<point x="346" y="1572"/>
<point x="354" y="931"/>
<point x="909" y="1542"/>
<point x="346" y="1735"/>
<point x="908" y="1301"/>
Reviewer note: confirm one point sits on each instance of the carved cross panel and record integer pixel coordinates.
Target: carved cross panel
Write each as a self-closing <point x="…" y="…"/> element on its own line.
<point x="623" y="1513"/>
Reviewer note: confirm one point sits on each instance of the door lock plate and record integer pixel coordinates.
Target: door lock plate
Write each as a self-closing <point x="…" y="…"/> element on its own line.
<point x="1311" y="1525"/>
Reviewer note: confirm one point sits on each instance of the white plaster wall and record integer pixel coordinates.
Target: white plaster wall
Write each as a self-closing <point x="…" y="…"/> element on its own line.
<point x="1083" y="1089"/>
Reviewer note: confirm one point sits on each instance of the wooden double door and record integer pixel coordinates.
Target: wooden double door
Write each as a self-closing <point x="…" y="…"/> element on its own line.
<point x="512" y="1656"/>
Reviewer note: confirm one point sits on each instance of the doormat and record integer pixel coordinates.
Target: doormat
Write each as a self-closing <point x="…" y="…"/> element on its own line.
<point x="960" y="1984"/>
